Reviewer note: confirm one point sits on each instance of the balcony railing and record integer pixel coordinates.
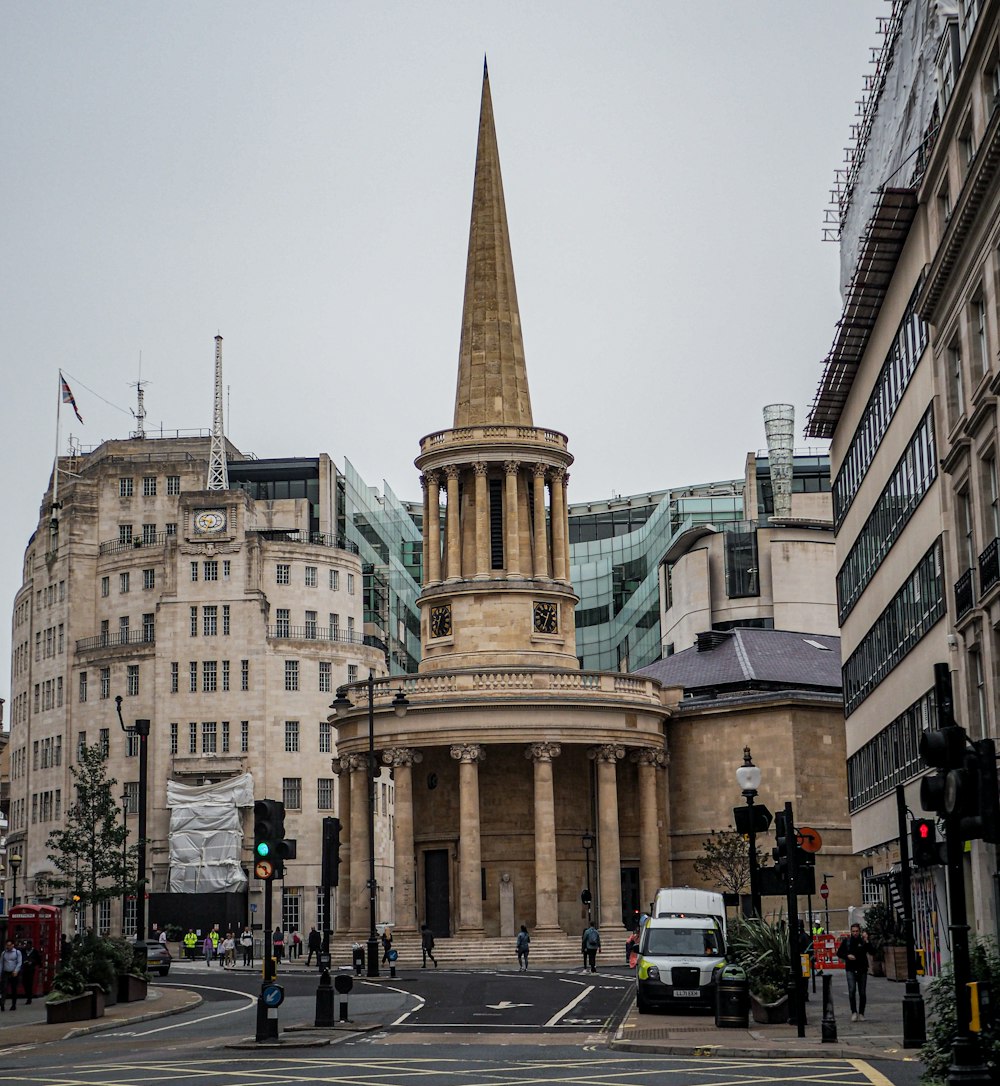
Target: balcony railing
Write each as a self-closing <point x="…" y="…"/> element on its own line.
<point x="117" y="546"/>
<point x="315" y="633"/>
<point x="989" y="567"/>
<point x="965" y="594"/>
<point x="112" y="640"/>
<point x="317" y="539"/>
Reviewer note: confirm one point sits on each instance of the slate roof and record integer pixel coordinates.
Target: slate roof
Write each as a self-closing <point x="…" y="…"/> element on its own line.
<point x="748" y="659"/>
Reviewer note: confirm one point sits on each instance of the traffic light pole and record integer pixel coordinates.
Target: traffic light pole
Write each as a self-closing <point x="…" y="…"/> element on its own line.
<point x="267" y="1026"/>
<point x="796" y="987"/>
<point x="914" y="1022"/>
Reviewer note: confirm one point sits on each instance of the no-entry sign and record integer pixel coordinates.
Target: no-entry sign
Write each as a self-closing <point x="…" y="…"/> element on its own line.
<point x="824" y="891"/>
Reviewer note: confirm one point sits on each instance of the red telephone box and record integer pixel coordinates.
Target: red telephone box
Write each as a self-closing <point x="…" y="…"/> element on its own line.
<point x="42" y="924"/>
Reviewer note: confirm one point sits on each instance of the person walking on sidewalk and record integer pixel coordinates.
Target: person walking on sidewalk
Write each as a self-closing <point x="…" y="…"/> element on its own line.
<point x="854" y="951"/>
<point x="386" y="944"/>
<point x="208" y="949"/>
<point x="523" y="939"/>
<point x="31" y="960"/>
<point x="427" y="945"/>
<point x="591" y="945"/>
<point x="10" y="972"/>
<point x="228" y="947"/>
<point x="246" y="942"/>
<point x="315" y="945"/>
<point x="278" y="942"/>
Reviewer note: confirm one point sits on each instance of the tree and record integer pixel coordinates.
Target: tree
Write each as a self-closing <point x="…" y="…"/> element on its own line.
<point x="726" y="861"/>
<point x="89" y="851"/>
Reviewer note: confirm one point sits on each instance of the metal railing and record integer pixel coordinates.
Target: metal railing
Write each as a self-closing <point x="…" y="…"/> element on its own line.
<point x="989" y="567"/>
<point x="113" y="640"/>
<point x="314" y="633"/>
<point x="965" y="594"/>
<point x="317" y="539"/>
<point x="117" y="546"/>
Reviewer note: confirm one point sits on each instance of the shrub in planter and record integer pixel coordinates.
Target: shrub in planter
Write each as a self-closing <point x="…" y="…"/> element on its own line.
<point x="761" y="948"/>
<point x="91" y="962"/>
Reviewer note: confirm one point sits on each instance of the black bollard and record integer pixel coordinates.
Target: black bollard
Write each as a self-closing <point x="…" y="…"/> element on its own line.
<point x="343" y="985"/>
<point x="324" y="1001"/>
<point x="829" y="1026"/>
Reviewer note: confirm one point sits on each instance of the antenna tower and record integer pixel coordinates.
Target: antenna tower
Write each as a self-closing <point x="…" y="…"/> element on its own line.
<point x="218" y="470"/>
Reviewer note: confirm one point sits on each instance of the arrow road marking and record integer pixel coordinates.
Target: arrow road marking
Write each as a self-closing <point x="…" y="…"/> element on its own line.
<point x="506" y="1005"/>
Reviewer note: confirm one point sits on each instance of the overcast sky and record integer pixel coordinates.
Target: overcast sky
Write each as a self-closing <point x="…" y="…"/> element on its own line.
<point x="298" y="178"/>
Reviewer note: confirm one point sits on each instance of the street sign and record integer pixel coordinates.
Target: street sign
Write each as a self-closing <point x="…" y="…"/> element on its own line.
<point x="809" y="839"/>
<point x="824" y="891"/>
<point x="273" y="995"/>
<point x="762" y="819"/>
<point x="253" y="906"/>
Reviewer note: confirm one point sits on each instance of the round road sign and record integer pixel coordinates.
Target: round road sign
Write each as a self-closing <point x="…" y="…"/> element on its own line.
<point x="273" y="995"/>
<point x="809" y="839"/>
<point x="824" y="891"/>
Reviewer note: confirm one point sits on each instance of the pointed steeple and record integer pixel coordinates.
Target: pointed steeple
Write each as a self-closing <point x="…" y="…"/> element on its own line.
<point x="492" y="379"/>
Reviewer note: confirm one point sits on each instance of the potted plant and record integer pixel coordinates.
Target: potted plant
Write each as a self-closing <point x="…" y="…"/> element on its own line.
<point x="888" y="951"/>
<point x="761" y="948"/>
<point x="132" y="982"/>
<point x="83" y="982"/>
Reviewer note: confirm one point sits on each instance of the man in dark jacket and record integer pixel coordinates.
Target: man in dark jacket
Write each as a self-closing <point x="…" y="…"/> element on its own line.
<point x="854" y="951"/>
<point x="314" y="942"/>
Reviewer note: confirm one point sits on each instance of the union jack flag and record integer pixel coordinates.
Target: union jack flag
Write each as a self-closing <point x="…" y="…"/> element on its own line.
<point x="68" y="397"/>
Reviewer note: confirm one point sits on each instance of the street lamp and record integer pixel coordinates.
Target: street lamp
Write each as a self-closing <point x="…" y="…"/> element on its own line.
<point x="588" y="846"/>
<point x="15" y="865"/>
<point x="141" y="729"/>
<point x="748" y="779"/>
<point x="124" y="860"/>
<point x="341" y="706"/>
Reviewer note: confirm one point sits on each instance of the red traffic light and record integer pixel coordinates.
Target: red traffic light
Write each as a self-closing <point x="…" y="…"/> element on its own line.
<point x="924" y="831"/>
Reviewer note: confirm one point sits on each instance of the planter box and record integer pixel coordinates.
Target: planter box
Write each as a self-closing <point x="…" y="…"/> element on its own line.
<point x="769" y="1013"/>
<point x="895" y="962"/>
<point x="131" y="989"/>
<point x="76" y="1008"/>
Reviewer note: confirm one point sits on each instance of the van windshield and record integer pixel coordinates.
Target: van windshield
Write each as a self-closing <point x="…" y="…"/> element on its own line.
<point x="686" y="942"/>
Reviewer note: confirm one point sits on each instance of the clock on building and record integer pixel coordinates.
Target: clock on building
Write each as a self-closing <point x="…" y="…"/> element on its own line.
<point x="441" y="620"/>
<point x="209" y="521"/>
<point x="546" y="618"/>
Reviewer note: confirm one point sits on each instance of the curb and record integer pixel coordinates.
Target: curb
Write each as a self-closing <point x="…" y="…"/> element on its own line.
<point x="837" y="1052"/>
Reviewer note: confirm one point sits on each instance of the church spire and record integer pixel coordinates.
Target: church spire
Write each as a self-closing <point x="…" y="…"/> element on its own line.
<point x="492" y="379"/>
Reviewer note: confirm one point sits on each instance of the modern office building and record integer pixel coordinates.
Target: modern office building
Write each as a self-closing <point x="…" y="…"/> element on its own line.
<point x="908" y="399"/>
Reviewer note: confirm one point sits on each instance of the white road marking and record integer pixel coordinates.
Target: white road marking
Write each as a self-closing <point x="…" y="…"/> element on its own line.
<point x="554" y="1020"/>
<point x="506" y="1005"/>
<point x="251" y="1001"/>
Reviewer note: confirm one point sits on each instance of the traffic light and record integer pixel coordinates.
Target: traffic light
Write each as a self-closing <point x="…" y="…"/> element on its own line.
<point x="782" y="837"/>
<point x="946" y="790"/>
<point x="331" y="852"/>
<point x="978" y="782"/>
<point x="269" y="845"/>
<point x="923" y="843"/>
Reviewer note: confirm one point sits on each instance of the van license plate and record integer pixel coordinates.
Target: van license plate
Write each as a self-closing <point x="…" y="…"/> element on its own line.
<point x="687" y="993"/>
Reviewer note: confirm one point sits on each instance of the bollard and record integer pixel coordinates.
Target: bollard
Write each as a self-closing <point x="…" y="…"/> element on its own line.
<point x="829" y="1026"/>
<point x="324" y="1001"/>
<point x="343" y="985"/>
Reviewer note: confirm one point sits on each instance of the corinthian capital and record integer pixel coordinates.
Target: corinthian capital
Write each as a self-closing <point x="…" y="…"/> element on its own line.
<point x="480" y="468"/>
<point x="468" y="752"/>
<point x="607" y="752"/>
<point x="355" y="763"/>
<point x="511" y="467"/>
<point x="649" y="756"/>
<point x="543" y="752"/>
<point x="401" y="756"/>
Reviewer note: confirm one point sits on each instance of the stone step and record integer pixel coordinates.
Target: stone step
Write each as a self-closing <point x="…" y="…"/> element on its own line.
<point x="557" y="949"/>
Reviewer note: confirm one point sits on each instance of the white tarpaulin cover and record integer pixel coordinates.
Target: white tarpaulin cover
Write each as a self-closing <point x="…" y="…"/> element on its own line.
<point x="206" y="835"/>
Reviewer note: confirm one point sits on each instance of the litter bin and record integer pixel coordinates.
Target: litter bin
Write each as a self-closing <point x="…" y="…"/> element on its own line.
<point x="358" y="958"/>
<point x="732" y="998"/>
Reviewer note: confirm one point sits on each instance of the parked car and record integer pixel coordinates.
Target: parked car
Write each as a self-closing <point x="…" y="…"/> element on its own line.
<point x="157" y="956"/>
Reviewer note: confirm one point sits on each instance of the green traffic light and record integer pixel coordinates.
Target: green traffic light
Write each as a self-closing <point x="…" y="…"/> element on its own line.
<point x="263" y="848"/>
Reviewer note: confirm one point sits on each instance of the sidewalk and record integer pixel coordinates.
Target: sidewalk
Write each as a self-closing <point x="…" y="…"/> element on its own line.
<point x="880" y="1036"/>
<point x="27" y="1024"/>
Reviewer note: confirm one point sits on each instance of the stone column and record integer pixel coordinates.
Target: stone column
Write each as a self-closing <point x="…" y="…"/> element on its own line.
<point x="342" y="892"/>
<point x="541" y="556"/>
<point x="432" y="525"/>
<point x="357" y="766"/>
<point x="546" y="871"/>
<point x="609" y="856"/>
<point x="557" y="503"/>
<point x="565" y="522"/>
<point x="470" y="860"/>
<point x="663" y="806"/>
<point x="454" y="570"/>
<point x="402" y="760"/>
<point x="513" y="533"/>
<point x="482" y="521"/>
<point x="426" y="526"/>
<point x="649" y="760"/>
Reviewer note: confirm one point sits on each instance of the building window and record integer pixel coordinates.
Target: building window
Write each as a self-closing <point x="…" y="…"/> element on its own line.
<point x="291" y="737"/>
<point x="334" y="579"/>
<point x="132" y="680"/>
<point x="993" y="489"/>
<point x="225" y="737"/>
<point x="192" y="738"/>
<point x="352" y="673"/>
<point x="291" y="674"/>
<point x="225" y="674"/>
<point x="334" y="627"/>
<point x="209" y="676"/>
<point x="124" y="488"/>
<point x="324" y="794"/>
<point x="149" y="578"/>
<point x="194" y="571"/>
<point x="149" y="627"/>
<point x="105" y="586"/>
<point x="173" y="736"/>
<point x="291" y="793"/>
<point x="208" y="737"/>
<point x="173" y="484"/>
<point x="210" y="620"/>
<point x="978" y="709"/>
<point x="350" y="628"/>
<point x="149" y="486"/>
<point x="741" y="562"/>
<point x="350" y="584"/>
<point x="282" y="618"/>
<point x="104" y="741"/>
<point x="175" y="671"/>
<point x="311" y="579"/>
<point x="225" y="620"/>
<point x="149" y="534"/>
<point x="171" y="529"/>
<point x="194" y="621"/>
<point x="244" y="736"/>
<point x="83" y="686"/>
<point x="105" y="675"/>
<point x="325" y="737"/>
<point x="210" y="570"/>
<point x="283" y="573"/>
<point x="980" y="348"/>
<point x="123" y="582"/>
<point x="325" y="677"/>
<point x="193" y="677"/>
<point x="244" y="674"/>
<point x="227" y="567"/>
<point x="956" y="392"/>
<point x="103" y="917"/>
<point x="81" y="745"/>
<point x="290" y="910"/>
<point x="310" y="630"/>
<point x="131" y="745"/>
<point x="123" y="630"/>
<point x="966" y="533"/>
<point x="125" y="535"/>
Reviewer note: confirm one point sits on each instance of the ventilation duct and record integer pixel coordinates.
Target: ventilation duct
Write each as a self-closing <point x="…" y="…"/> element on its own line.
<point x="779" y="427"/>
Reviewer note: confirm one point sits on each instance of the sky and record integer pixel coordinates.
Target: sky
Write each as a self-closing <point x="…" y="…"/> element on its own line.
<point x="297" y="177"/>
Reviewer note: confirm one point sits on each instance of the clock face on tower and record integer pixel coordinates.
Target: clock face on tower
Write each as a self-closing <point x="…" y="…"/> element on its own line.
<point x="210" y="521"/>
<point x="546" y="618"/>
<point x="441" y="620"/>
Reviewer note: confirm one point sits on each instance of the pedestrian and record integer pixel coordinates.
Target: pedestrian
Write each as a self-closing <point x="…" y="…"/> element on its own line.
<point x="523" y="939"/>
<point x="163" y="937"/>
<point x="190" y="944"/>
<point x="854" y="951"/>
<point x="228" y="946"/>
<point x="10" y="972"/>
<point x="65" y="947"/>
<point x="315" y="944"/>
<point x="208" y="948"/>
<point x="278" y="942"/>
<point x="246" y="942"/>
<point x="296" y="943"/>
<point x="386" y="944"/>
<point x="31" y="960"/>
<point x="591" y="945"/>
<point x="427" y="945"/>
<point x="216" y="936"/>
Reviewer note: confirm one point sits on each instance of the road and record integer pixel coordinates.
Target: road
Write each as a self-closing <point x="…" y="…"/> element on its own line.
<point x="547" y="1026"/>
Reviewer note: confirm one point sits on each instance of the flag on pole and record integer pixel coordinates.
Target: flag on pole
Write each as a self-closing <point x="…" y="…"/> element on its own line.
<point x="68" y="397"/>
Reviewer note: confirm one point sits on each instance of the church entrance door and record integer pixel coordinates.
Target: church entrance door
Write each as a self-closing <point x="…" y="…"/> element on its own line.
<point x="437" y="910"/>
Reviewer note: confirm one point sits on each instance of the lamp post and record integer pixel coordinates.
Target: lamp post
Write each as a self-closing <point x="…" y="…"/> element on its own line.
<point x="748" y="779"/>
<point x="15" y="865"/>
<point x="124" y="860"/>
<point x="140" y="729"/>
<point x="588" y="846"/>
<point x="341" y="706"/>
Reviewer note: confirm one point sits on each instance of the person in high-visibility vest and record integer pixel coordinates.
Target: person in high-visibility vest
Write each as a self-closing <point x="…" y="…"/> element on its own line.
<point x="190" y="942"/>
<point x="215" y="937"/>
